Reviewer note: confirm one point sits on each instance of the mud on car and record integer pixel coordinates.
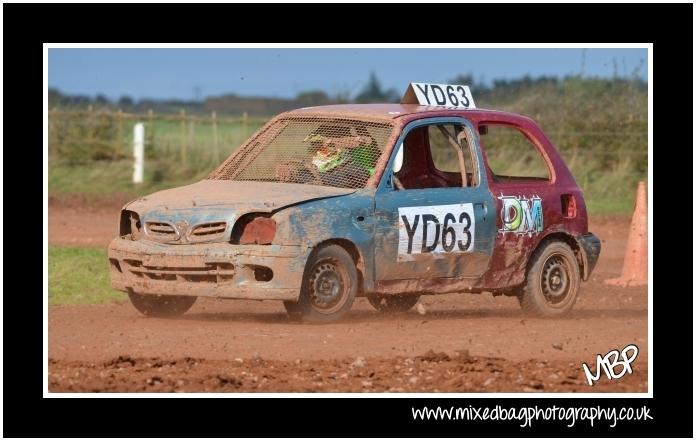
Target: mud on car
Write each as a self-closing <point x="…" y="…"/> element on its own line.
<point x="388" y="201"/>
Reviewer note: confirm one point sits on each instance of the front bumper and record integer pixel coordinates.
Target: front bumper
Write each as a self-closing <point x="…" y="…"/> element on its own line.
<point x="590" y="246"/>
<point x="220" y="270"/>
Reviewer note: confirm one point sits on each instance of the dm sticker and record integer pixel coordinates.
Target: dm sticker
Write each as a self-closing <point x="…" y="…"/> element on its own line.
<point x="521" y="215"/>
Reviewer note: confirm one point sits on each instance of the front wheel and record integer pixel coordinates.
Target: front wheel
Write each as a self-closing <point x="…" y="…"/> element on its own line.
<point x="553" y="281"/>
<point x="161" y="306"/>
<point x="393" y="303"/>
<point x="328" y="288"/>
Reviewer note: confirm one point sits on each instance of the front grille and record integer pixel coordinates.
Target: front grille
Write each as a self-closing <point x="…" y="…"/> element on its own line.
<point x="161" y="230"/>
<point x="205" y="231"/>
<point x="216" y="272"/>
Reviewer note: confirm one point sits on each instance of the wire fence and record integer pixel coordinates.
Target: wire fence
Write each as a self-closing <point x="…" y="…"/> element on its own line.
<point x="79" y="137"/>
<point x="181" y="147"/>
<point x="83" y="136"/>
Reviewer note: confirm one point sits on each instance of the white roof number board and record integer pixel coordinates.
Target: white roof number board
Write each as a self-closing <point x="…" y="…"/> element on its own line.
<point x="448" y="95"/>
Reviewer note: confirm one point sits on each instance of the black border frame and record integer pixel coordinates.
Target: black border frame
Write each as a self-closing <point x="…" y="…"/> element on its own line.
<point x="27" y="26"/>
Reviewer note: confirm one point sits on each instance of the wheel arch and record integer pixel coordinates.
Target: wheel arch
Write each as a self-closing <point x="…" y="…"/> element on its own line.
<point x="562" y="236"/>
<point x="354" y="253"/>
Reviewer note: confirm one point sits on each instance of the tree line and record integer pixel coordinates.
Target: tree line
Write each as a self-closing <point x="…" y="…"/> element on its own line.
<point x="372" y="92"/>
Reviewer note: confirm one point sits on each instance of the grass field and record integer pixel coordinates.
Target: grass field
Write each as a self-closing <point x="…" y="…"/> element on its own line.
<point x="79" y="276"/>
<point x="105" y="178"/>
<point x="83" y="137"/>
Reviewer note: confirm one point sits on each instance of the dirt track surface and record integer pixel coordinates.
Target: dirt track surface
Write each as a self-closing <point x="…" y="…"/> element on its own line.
<point x="462" y="342"/>
<point x="79" y="221"/>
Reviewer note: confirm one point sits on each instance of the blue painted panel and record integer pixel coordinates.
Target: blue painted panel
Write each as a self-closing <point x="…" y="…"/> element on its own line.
<point x="392" y="263"/>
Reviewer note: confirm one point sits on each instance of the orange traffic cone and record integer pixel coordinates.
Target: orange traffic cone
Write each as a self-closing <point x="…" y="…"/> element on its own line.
<point x="635" y="268"/>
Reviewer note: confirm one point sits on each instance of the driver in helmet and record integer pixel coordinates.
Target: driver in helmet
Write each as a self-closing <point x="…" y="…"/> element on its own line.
<point x="334" y="159"/>
<point x="340" y="161"/>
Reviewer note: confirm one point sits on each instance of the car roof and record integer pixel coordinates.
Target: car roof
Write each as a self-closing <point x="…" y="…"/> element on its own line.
<point x="389" y="112"/>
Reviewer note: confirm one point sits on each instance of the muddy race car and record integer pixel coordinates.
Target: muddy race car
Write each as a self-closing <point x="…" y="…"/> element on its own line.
<point x="388" y="201"/>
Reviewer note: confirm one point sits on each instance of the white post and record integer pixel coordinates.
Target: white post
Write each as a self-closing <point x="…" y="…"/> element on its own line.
<point x="138" y="152"/>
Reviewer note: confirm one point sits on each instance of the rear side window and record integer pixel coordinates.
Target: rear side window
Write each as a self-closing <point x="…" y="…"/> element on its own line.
<point x="511" y="155"/>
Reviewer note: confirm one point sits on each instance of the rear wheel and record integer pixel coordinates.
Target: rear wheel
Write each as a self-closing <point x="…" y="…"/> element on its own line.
<point x="328" y="288"/>
<point x="553" y="281"/>
<point x="393" y="303"/>
<point x="161" y="305"/>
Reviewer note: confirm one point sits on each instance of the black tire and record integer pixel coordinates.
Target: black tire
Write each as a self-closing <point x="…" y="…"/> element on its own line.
<point x="161" y="306"/>
<point x="553" y="281"/>
<point x="329" y="286"/>
<point x="392" y="303"/>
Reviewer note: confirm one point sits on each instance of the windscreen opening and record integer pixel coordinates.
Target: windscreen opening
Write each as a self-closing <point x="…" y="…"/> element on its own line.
<point x="333" y="152"/>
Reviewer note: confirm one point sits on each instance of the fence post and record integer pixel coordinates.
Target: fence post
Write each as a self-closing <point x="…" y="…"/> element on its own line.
<point x="184" y="138"/>
<point x="119" y="122"/>
<point x="216" y="155"/>
<point x="244" y="122"/>
<point x="150" y="128"/>
<point x="138" y="152"/>
<point x="192" y="133"/>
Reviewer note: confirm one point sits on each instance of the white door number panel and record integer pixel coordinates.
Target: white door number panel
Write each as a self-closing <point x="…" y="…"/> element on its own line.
<point x="437" y="230"/>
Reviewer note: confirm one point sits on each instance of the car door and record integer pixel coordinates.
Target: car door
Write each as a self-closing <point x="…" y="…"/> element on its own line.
<point x="433" y="226"/>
